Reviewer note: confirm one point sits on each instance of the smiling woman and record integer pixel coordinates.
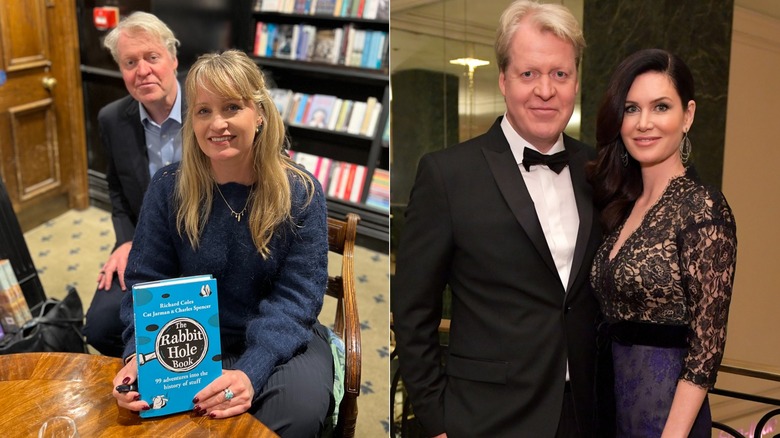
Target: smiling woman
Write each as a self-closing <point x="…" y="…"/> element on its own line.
<point x="225" y="129"/>
<point x="271" y="269"/>
<point x="655" y="116"/>
<point x="665" y="271"/>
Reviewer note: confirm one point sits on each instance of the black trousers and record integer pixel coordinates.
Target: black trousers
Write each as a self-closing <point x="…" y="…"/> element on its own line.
<point x="567" y="424"/>
<point x="102" y="328"/>
<point x="298" y="397"/>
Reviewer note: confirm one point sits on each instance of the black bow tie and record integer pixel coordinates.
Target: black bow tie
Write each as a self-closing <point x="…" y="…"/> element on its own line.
<point x="556" y="162"/>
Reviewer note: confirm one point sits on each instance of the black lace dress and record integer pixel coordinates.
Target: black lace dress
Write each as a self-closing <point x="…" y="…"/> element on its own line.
<point x="666" y="295"/>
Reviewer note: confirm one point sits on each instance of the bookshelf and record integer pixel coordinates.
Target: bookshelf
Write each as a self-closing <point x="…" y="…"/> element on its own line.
<point x="314" y="54"/>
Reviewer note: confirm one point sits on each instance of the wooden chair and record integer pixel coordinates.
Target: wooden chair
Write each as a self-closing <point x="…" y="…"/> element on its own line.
<point x="341" y="240"/>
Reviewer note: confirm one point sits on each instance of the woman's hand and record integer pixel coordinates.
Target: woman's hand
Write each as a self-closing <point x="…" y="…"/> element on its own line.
<point x="214" y="400"/>
<point x="129" y="400"/>
<point x="687" y="401"/>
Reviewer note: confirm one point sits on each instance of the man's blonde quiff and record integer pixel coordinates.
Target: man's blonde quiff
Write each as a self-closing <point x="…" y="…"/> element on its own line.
<point x="553" y="18"/>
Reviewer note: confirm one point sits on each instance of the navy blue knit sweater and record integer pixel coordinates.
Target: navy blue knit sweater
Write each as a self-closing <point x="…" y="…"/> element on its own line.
<point x="266" y="307"/>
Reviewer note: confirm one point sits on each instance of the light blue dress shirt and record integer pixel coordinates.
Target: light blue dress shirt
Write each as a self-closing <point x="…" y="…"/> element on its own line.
<point x="163" y="142"/>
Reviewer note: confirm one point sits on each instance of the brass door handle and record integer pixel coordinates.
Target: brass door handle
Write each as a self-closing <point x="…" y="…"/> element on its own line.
<point x="49" y="83"/>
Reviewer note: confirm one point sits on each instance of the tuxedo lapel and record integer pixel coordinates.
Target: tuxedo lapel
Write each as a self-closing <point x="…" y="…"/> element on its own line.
<point x="512" y="186"/>
<point x="583" y="197"/>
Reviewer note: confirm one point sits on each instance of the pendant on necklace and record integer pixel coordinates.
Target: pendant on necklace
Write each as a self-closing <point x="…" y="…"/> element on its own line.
<point x="237" y="215"/>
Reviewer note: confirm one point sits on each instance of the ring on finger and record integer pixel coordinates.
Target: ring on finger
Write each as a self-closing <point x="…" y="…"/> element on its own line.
<point x="228" y="394"/>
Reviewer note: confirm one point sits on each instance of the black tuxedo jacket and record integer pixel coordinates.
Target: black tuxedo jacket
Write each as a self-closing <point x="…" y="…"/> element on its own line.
<point x="471" y="224"/>
<point x="124" y="141"/>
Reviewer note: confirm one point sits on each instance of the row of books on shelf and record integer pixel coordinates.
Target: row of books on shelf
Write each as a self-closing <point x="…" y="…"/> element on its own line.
<point x="324" y="111"/>
<point x="14" y="312"/>
<point x="366" y="9"/>
<point x="347" y="45"/>
<point x="345" y="181"/>
<point x="379" y="190"/>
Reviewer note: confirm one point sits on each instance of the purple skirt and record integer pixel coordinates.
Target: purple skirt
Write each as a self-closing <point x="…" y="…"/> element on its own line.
<point x="645" y="381"/>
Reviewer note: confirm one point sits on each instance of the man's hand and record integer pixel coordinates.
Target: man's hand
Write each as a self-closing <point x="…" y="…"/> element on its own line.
<point x="116" y="264"/>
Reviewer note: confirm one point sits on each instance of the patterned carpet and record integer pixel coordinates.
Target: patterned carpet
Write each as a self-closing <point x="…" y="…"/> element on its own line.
<point x="70" y="250"/>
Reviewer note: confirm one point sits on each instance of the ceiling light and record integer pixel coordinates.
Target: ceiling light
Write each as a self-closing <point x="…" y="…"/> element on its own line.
<point x="471" y="63"/>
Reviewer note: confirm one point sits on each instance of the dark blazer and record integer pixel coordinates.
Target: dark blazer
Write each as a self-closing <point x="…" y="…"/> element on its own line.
<point x="471" y="224"/>
<point x="124" y="141"/>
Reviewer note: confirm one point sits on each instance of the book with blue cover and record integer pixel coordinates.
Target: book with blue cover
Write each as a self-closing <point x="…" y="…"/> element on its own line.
<point x="325" y="7"/>
<point x="178" y="350"/>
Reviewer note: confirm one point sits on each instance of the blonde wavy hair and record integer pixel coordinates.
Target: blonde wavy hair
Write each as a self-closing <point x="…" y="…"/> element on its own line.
<point x="233" y="75"/>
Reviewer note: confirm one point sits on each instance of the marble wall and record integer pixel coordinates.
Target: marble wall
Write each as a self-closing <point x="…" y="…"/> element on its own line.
<point x="697" y="31"/>
<point x="424" y="119"/>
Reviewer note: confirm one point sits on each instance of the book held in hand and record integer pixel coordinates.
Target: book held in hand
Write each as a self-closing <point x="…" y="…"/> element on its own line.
<point x="178" y="350"/>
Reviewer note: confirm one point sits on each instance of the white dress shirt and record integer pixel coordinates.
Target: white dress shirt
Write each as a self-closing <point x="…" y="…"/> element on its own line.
<point x="553" y="197"/>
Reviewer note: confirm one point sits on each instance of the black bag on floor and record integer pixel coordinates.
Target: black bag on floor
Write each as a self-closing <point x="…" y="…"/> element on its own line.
<point x="56" y="326"/>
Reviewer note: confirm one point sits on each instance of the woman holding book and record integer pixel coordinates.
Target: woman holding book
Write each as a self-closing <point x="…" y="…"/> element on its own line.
<point x="236" y="207"/>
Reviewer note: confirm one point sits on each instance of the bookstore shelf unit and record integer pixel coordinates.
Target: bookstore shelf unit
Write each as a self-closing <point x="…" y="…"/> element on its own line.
<point x="312" y="76"/>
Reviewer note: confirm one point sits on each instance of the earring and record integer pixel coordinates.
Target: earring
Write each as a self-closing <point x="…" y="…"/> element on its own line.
<point x="624" y="157"/>
<point x="259" y="129"/>
<point x="685" y="148"/>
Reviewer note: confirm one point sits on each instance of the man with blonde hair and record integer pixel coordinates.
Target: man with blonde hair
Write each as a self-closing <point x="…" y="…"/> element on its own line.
<point x="506" y="221"/>
<point x="140" y="134"/>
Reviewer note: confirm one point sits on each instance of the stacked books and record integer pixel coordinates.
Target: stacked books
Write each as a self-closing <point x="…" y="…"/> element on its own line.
<point x="379" y="190"/>
<point x="14" y="311"/>
<point x="365" y="9"/>
<point x="328" y="112"/>
<point x="345" y="46"/>
<point x="339" y="179"/>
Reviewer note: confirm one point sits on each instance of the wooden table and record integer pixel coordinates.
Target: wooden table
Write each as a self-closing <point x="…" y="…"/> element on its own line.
<point x="37" y="386"/>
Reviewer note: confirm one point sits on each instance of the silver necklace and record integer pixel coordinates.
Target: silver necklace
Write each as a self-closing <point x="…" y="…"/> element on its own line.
<point x="237" y="215"/>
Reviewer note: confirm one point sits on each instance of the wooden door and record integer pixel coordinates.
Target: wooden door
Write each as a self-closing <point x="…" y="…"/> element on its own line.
<point x="42" y="146"/>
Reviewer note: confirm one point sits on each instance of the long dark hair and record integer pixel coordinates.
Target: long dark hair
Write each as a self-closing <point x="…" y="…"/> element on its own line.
<point x="615" y="186"/>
